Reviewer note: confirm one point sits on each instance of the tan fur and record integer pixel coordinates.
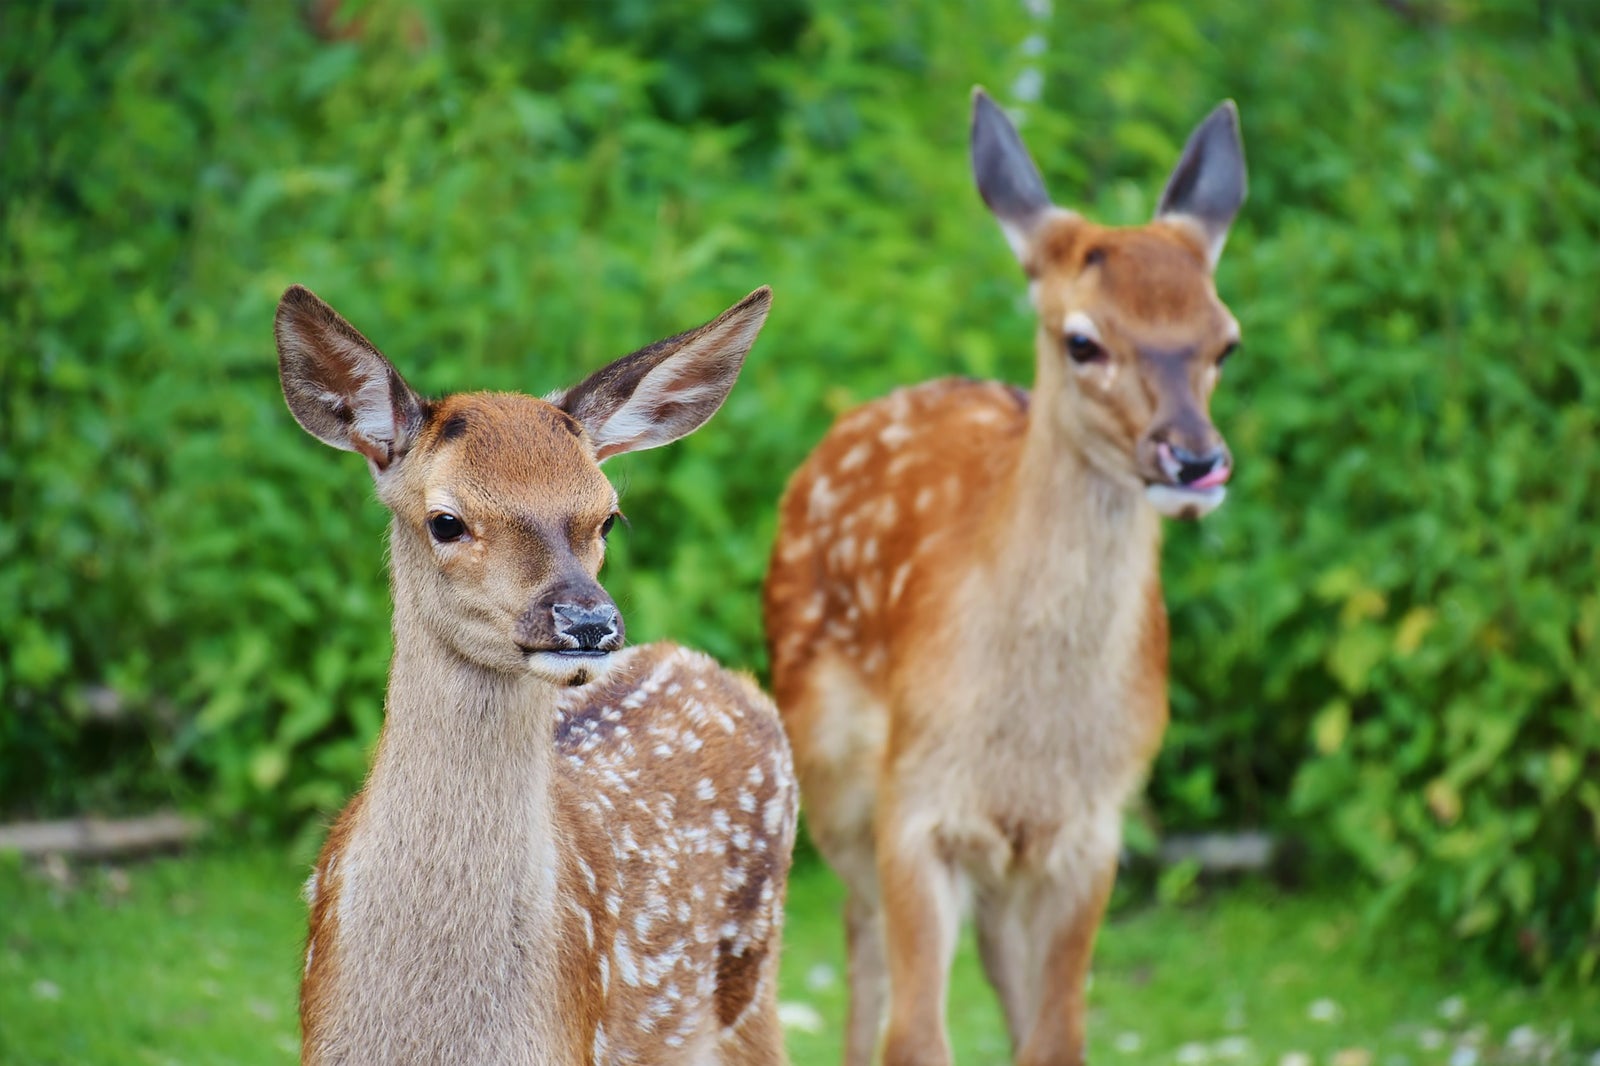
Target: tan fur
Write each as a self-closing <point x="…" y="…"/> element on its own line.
<point x="538" y="870"/>
<point x="969" y="643"/>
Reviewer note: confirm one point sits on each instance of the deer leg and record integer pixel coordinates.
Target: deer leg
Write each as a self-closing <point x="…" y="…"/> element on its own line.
<point x="869" y="978"/>
<point x="759" y="1038"/>
<point x="1007" y="962"/>
<point x="1065" y="926"/>
<point x="922" y="915"/>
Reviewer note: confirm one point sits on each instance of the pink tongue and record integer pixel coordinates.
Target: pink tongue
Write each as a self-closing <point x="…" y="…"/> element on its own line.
<point x="1218" y="476"/>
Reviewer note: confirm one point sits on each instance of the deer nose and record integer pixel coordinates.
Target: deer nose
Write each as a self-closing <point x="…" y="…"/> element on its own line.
<point x="1193" y="471"/>
<point x="587" y="627"/>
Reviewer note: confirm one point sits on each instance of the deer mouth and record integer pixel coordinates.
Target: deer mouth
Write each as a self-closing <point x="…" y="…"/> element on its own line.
<point x="1184" y="501"/>
<point x="1188" y="485"/>
<point x="569" y="667"/>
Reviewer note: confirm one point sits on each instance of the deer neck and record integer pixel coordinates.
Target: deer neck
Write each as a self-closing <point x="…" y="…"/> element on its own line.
<point x="466" y="752"/>
<point x="1073" y="540"/>
<point x="451" y="869"/>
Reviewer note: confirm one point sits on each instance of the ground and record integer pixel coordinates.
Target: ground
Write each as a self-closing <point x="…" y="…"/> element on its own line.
<point x="194" y="960"/>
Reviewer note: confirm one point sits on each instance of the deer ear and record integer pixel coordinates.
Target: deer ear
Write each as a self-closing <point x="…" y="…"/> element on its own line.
<point x="1208" y="185"/>
<point x="1007" y="178"/>
<point x="338" y="387"/>
<point x="669" y="389"/>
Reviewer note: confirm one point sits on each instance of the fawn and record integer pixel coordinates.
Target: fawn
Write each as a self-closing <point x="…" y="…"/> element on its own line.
<point x="964" y="611"/>
<point x="565" y="851"/>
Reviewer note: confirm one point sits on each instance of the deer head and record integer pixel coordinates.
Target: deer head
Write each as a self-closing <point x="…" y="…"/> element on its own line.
<point x="1132" y="335"/>
<point x="500" y="508"/>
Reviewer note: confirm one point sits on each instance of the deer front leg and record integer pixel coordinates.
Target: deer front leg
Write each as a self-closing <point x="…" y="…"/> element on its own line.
<point x="1064" y="927"/>
<point x="921" y="918"/>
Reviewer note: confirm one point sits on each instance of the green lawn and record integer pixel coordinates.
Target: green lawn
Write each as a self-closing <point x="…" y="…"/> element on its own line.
<point x="194" y="960"/>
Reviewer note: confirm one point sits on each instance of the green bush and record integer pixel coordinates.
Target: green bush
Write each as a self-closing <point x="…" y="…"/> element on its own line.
<point x="1385" y="643"/>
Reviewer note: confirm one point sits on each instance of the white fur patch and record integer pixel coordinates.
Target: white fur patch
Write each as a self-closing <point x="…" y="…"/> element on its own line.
<point x="1018" y="237"/>
<point x="1080" y="322"/>
<point x="1174" y="502"/>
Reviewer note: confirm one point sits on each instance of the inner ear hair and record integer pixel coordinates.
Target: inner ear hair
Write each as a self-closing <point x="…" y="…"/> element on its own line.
<point x="338" y="386"/>
<point x="668" y="389"/>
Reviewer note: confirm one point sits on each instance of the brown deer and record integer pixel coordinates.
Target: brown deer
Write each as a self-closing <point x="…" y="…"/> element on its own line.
<point x="969" y="644"/>
<point x="566" y="851"/>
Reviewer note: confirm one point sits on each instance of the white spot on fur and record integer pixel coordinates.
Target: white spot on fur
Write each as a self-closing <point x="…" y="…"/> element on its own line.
<point x="894" y="434"/>
<point x="627" y="969"/>
<point x="772" y="816"/>
<point x="867" y="593"/>
<point x="813" y="608"/>
<point x="897" y="583"/>
<point x="821" y="501"/>
<point x="796" y="548"/>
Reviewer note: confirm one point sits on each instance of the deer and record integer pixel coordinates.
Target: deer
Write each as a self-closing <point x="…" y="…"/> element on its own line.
<point x="964" y="615"/>
<point x="567" y="850"/>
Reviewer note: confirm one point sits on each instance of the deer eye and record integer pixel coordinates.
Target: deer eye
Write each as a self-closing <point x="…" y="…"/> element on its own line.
<point x="605" y="527"/>
<point x="1082" y="349"/>
<point x="1232" y="347"/>
<point x="446" y="527"/>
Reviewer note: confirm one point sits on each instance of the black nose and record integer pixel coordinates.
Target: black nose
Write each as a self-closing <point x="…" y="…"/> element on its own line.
<point x="585" y="627"/>
<point x="1192" y="467"/>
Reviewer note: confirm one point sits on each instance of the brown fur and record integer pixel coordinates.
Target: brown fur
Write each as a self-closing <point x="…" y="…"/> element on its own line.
<point x="969" y="642"/>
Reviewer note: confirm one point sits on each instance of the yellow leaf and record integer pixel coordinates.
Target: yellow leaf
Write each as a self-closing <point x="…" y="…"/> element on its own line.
<point x="1331" y="726"/>
<point x="1363" y="604"/>
<point x="1444" y="800"/>
<point x="1413" y="627"/>
<point x="1478" y="918"/>
<point x="267" y="767"/>
<point x="1564" y="767"/>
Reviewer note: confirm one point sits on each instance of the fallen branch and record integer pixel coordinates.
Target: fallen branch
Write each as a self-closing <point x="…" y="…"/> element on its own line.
<point x="99" y="837"/>
<point x="1221" y="852"/>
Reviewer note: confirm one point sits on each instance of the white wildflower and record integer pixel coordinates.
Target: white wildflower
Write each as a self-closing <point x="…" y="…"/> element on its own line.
<point x="801" y="1016"/>
<point x="1323" y="1010"/>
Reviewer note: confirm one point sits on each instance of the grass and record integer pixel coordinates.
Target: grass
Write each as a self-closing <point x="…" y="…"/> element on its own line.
<point x="195" y="959"/>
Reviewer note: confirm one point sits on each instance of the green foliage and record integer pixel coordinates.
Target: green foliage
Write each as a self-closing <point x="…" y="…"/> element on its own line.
<point x="1385" y="642"/>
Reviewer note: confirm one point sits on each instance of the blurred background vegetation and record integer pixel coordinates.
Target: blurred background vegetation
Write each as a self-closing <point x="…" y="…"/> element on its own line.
<point x="1386" y="646"/>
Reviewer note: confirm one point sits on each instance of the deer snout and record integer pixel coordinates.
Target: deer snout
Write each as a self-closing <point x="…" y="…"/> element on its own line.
<point x="1206" y="470"/>
<point x="588" y="626"/>
<point x="574" y="619"/>
<point x="1186" y="473"/>
<point x="567" y="636"/>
